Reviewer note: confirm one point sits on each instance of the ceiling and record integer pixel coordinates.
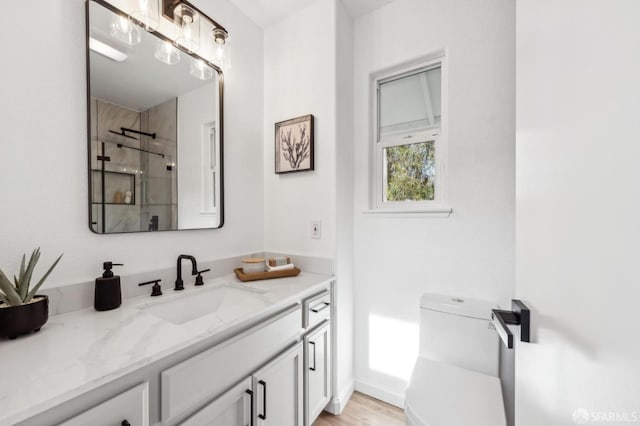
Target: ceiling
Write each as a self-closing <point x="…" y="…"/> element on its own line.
<point x="265" y="12"/>
<point x="357" y="8"/>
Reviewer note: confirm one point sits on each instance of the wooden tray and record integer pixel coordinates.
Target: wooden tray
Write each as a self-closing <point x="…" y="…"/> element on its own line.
<point x="265" y="275"/>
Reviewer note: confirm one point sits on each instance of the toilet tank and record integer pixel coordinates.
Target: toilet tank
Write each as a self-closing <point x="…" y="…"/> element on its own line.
<point x="458" y="331"/>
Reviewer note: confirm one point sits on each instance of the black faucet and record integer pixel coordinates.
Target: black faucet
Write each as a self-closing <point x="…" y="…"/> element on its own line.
<point x="194" y="270"/>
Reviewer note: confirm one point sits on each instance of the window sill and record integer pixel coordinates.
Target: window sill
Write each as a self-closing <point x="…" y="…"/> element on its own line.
<point x="417" y="212"/>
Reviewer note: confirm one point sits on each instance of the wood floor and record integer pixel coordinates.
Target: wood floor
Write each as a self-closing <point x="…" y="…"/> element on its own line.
<point x="362" y="410"/>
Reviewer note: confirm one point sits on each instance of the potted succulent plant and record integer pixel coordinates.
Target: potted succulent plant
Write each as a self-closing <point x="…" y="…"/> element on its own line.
<point x="21" y="309"/>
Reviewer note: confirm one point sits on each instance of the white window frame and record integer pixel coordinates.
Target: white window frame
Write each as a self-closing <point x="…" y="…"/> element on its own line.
<point x="210" y="172"/>
<point x="438" y="206"/>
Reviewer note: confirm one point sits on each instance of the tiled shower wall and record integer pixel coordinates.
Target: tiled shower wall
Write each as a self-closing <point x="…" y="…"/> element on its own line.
<point x="159" y="183"/>
<point x="154" y="190"/>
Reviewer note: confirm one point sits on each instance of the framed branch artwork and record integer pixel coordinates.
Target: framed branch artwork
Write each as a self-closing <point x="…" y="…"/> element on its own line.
<point x="294" y="145"/>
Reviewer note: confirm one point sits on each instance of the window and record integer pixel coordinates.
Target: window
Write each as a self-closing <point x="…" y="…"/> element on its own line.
<point x="210" y="199"/>
<point x="409" y="147"/>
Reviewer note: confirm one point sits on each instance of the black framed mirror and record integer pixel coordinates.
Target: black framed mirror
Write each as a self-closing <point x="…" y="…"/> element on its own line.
<point x="155" y="129"/>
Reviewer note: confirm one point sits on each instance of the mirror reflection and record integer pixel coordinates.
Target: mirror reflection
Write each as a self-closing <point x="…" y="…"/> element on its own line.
<point x="155" y="131"/>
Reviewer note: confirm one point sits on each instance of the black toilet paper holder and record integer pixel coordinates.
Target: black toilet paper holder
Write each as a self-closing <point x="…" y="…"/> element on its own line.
<point x="519" y="315"/>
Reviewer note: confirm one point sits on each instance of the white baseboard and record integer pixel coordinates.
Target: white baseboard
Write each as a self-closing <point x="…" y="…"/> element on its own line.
<point x="381" y="394"/>
<point x="337" y="404"/>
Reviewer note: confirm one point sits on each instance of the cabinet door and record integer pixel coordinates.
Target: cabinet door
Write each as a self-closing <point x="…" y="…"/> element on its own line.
<point x="130" y="408"/>
<point x="233" y="408"/>
<point x="317" y="371"/>
<point x="278" y="390"/>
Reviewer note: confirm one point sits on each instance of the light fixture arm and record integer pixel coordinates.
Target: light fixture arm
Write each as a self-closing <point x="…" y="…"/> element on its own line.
<point x="169" y="6"/>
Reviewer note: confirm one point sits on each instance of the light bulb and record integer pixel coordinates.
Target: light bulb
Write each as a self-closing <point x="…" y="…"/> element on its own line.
<point x="121" y="29"/>
<point x="219" y="36"/>
<point x="123" y="24"/>
<point x="221" y="52"/>
<point x="200" y="69"/>
<point x="147" y="14"/>
<point x="167" y="53"/>
<point x="189" y="21"/>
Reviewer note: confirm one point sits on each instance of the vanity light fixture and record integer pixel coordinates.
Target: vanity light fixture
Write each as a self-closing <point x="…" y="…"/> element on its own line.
<point x="221" y="45"/>
<point x="191" y="25"/>
<point x="199" y="69"/>
<point x="106" y="50"/>
<point x="189" y="18"/>
<point x="122" y="29"/>
<point x="166" y="52"/>
<point x="147" y="14"/>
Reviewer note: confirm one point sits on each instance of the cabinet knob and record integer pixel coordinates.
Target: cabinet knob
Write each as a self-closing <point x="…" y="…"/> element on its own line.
<point x="125" y="422"/>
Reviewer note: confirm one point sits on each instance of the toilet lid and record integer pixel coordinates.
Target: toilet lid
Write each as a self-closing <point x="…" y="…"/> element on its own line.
<point x="441" y="394"/>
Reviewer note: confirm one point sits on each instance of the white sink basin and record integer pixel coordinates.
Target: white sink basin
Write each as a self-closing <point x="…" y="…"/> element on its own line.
<point x="182" y="308"/>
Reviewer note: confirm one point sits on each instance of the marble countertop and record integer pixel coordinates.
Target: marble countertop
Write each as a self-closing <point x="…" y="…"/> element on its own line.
<point x="79" y="351"/>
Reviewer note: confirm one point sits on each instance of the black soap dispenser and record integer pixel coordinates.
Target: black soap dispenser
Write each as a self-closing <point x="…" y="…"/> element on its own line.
<point x="107" y="293"/>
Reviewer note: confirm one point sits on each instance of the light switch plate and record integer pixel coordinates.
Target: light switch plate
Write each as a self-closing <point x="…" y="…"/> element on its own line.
<point x="316" y="229"/>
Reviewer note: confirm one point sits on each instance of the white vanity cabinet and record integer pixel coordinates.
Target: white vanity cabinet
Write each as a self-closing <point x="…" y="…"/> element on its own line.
<point x="130" y="408"/>
<point x="317" y="371"/>
<point x="272" y="371"/>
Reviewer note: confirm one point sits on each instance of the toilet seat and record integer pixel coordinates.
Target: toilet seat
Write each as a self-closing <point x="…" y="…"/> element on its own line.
<point x="441" y="394"/>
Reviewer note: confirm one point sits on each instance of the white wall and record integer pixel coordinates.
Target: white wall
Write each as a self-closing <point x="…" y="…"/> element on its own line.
<point x="300" y="79"/>
<point x="578" y="237"/>
<point x="470" y="253"/>
<point x="344" y="202"/>
<point x="43" y="177"/>
<point x="308" y="70"/>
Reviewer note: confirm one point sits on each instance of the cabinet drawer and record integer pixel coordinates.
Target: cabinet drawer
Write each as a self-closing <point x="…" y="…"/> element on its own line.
<point x="189" y="385"/>
<point x="128" y="408"/>
<point x="316" y="309"/>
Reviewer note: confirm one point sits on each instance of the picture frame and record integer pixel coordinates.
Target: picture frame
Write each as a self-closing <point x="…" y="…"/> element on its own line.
<point x="294" y="145"/>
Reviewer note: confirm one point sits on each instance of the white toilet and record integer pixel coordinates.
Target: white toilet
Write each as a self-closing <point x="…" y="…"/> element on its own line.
<point x="455" y="379"/>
